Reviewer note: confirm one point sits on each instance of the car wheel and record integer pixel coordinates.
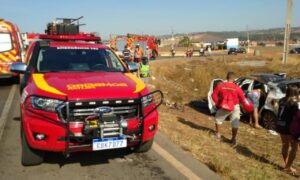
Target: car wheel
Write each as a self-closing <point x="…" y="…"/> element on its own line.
<point x="268" y="120"/>
<point x="30" y="156"/>
<point x="146" y="146"/>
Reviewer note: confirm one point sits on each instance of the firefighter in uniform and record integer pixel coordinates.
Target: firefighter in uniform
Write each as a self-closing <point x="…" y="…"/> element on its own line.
<point x="144" y="70"/>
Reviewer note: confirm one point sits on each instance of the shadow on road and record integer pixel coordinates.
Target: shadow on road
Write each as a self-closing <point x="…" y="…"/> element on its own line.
<point x="7" y="82"/>
<point x="86" y="158"/>
<point x="239" y="148"/>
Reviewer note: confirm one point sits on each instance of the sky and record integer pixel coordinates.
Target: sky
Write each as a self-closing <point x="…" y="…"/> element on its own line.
<point x="155" y="17"/>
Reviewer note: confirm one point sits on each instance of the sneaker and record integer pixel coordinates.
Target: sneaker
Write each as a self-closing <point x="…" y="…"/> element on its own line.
<point x="233" y="143"/>
<point x="273" y="132"/>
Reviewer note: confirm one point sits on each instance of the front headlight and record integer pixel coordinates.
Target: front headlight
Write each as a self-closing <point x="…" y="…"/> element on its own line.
<point x="147" y="100"/>
<point x="45" y="104"/>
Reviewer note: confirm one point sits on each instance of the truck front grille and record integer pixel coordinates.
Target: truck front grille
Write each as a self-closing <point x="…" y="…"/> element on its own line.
<point x="78" y="111"/>
<point x="109" y="123"/>
<point x="127" y="112"/>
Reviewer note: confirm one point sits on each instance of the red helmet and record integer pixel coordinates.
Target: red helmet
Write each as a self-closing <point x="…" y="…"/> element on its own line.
<point x="247" y="105"/>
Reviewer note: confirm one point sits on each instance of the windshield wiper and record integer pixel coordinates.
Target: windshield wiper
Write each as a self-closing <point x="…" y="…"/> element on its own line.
<point x="92" y="71"/>
<point x="106" y="70"/>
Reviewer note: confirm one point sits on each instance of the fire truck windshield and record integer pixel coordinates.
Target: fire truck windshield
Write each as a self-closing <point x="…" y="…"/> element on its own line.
<point x="5" y="42"/>
<point x="70" y="59"/>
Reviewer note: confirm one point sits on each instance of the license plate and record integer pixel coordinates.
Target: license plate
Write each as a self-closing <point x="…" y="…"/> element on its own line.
<point x="110" y="143"/>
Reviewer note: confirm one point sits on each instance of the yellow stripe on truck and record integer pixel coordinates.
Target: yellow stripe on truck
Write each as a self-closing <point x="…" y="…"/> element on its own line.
<point x="4" y="58"/>
<point x="11" y="56"/>
<point x="41" y="83"/>
<point x="7" y="26"/>
<point x="139" y="83"/>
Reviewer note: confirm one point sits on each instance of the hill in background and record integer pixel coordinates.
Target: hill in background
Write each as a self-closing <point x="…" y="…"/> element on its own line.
<point x="274" y="34"/>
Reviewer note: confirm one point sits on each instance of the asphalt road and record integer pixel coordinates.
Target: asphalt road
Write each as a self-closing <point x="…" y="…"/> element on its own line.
<point x="164" y="161"/>
<point x="4" y="89"/>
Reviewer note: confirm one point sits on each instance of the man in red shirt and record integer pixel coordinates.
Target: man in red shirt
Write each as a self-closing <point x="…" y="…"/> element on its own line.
<point x="227" y="97"/>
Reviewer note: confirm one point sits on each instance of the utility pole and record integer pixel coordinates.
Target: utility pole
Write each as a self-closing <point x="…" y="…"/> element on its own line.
<point x="248" y="41"/>
<point x="188" y="42"/>
<point x="172" y="45"/>
<point x="287" y="32"/>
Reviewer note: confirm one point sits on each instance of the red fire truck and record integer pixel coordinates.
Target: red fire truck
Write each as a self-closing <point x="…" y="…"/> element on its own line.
<point x="11" y="48"/>
<point x="79" y="96"/>
<point x="118" y="42"/>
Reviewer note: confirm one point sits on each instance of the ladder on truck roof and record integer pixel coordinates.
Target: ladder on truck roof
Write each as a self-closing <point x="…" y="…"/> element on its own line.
<point x="64" y="26"/>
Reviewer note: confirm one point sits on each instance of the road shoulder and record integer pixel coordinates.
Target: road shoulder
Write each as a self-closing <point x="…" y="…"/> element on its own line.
<point x="185" y="158"/>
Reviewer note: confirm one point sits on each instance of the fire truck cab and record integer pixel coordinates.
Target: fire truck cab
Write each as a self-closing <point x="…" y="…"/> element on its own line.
<point x="11" y="48"/>
<point x="79" y="96"/>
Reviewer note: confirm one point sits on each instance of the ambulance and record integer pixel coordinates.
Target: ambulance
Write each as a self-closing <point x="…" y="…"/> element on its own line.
<point x="11" y="48"/>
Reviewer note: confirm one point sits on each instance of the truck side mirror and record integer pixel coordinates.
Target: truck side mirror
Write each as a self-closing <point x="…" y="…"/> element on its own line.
<point x="18" y="67"/>
<point x="132" y="67"/>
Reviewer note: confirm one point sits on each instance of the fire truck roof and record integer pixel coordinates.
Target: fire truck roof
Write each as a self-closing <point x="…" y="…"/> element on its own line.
<point x="77" y="37"/>
<point x="74" y="45"/>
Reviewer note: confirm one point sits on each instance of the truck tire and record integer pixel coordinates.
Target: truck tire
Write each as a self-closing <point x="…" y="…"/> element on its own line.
<point x="268" y="120"/>
<point x="30" y="156"/>
<point x="146" y="146"/>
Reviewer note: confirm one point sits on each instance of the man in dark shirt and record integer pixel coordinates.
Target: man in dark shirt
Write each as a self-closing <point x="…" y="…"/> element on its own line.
<point x="127" y="54"/>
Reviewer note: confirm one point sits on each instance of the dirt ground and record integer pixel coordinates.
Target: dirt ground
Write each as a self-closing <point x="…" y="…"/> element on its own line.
<point x="185" y="119"/>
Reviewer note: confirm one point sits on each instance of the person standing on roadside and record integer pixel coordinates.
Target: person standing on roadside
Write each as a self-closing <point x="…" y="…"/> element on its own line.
<point x="173" y="52"/>
<point x="144" y="70"/>
<point x="127" y="54"/>
<point x="209" y="50"/>
<point x="138" y="54"/>
<point x="148" y="53"/>
<point x="227" y="97"/>
<point x="254" y="96"/>
<point x="288" y="107"/>
<point x="201" y="52"/>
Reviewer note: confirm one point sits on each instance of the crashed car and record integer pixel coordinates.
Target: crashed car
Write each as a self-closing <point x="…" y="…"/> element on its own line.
<point x="295" y="50"/>
<point x="274" y="87"/>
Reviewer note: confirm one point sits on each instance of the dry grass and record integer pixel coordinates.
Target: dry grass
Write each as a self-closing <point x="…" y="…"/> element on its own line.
<point x="256" y="156"/>
<point x="187" y="79"/>
<point x="184" y="80"/>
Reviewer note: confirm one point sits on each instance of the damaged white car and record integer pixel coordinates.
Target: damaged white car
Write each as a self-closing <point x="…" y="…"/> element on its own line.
<point x="274" y="87"/>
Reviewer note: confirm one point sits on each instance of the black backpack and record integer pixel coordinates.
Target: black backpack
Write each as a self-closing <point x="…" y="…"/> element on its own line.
<point x="286" y="114"/>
